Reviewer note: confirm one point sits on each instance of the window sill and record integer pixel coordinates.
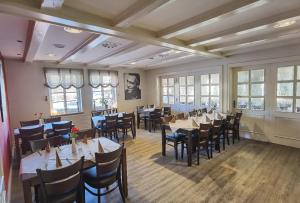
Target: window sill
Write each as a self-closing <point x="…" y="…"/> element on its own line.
<point x="69" y="114"/>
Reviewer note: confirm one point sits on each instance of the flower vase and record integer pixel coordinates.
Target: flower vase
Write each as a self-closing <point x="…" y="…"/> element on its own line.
<point x="41" y="121"/>
<point x="74" y="151"/>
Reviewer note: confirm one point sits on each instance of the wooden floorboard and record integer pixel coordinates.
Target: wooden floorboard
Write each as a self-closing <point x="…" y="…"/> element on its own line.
<point x="248" y="171"/>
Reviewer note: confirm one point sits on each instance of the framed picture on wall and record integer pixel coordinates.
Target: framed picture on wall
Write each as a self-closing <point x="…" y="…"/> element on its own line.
<point x="132" y="83"/>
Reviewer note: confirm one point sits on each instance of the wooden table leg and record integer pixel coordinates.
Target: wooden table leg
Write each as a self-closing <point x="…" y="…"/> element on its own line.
<point x="163" y="141"/>
<point x="124" y="173"/>
<point x="138" y="120"/>
<point x="134" y="127"/>
<point x="27" y="192"/>
<point x="189" y="149"/>
<point x="18" y="151"/>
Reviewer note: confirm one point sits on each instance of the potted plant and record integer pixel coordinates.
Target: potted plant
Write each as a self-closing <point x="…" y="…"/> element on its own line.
<point x="74" y="135"/>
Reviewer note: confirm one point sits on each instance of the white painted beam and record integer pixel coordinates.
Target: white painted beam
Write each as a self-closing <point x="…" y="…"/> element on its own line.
<point x="248" y="26"/>
<point x="52" y="4"/>
<point x="208" y="17"/>
<point x="39" y="32"/>
<point x="135" y="12"/>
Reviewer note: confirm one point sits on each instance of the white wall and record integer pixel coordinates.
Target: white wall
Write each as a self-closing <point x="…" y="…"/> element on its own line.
<point x="26" y="92"/>
<point x="271" y="126"/>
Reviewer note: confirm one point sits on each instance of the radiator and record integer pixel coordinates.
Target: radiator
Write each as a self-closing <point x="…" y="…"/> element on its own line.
<point x="2" y="190"/>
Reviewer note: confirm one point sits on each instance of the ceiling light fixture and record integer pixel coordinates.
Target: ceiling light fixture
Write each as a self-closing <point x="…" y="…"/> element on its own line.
<point x="252" y="30"/>
<point x="132" y="63"/>
<point x="284" y="23"/>
<point x="51" y="55"/>
<point x="59" y="46"/>
<point x="109" y="44"/>
<point x="72" y="30"/>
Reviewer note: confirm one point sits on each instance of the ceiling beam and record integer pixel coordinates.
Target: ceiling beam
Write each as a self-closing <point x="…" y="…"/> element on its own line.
<point x="30" y="30"/>
<point x="247" y="26"/>
<point x="81" y="20"/>
<point x="34" y="42"/>
<point x="92" y="41"/>
<point x="52" y="4"/>
<point x="138" y="10"/>
<point x="269" y="36"/>
<point x="170" y="60"/>
<point x="205" y="18"/>
<point x="118" y="52"/>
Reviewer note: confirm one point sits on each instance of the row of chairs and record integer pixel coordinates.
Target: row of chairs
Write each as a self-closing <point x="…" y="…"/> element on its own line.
<point x="113" y="124"/>
<point x="68" y="184"/>
<point x="208" y="136"/>
<point x="37" y="121"/>
<point x="104" y="112"/>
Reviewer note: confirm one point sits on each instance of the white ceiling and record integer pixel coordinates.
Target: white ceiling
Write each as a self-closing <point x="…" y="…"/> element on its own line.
<point x="91" y="48"/>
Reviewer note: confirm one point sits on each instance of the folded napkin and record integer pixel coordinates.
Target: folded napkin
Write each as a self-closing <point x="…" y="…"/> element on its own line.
<point x="85" y="139"/>
<point x="48" y="147"/>
<point x="207" y="119"/>
<point x="219" y="117"/>
<point x="58" y="161"/>
<point x="100" y="148"/>
<point x="173" y="120"/>
<point x="194" y="123"/>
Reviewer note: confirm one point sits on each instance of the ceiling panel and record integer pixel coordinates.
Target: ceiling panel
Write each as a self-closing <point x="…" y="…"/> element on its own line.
<point x="56" y="35"/>
<point x="176" y="11"/>
<point x="271" y="8"/>
<point x="12" y="36"/>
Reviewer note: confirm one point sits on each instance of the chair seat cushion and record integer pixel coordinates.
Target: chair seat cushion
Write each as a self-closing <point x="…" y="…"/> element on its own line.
<point x="175" y="136"/>
<point x="106" y="179"/>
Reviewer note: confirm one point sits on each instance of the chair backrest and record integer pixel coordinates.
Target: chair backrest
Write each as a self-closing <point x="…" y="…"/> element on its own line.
<point x="167" y="110"/>
<point x="180" y="116"/>
<point x="89" y="133"/>
<point x="155" y="114"/>
<point x="111" y="121"/>
<point x="193" y="113"/>
<point x="166" y="119"/>
<point x="204" y="110"/>
<point x="237" y="120"/>
<point x="138" y="108"/>
<point x="29" y="123"/>
<point x="52" y="119"/>
<point x="62" y="128"/>
<point x="98" y="113"/>
<point x="61" y="181"/>
<point x="216" y="127"/>
<point x="127" y="119"/>
<point x="151" y="106"/>
<point x="28" y="135"/>
<point x="114" y="110"/>
<point x="109" y="162"/>
<point x="41" y="144"/>
<point x="204" y="130"/>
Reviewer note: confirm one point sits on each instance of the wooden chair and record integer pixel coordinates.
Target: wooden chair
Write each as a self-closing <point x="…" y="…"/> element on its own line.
<point x="63" y="130"/>
<point x="62" y="184"/>
<point x="167" y="111"/>
<point x="98" y="113"/>
<point x="215" y="136"/>
<point x="109" y="127"/>
<point x="172" y="139"/>
<point x="28" y="135"/>
<point x="29" y="123"/>
<point x="140" y="117"/>
<point x="105" y="173"/>
<point x="193" y="113"/>
<point x="41" y="144"/>
<point x="114" y="110"/>
<point x="89" y="133"/>
<point x="126" y="124"/>
<point x="154" y="119"/>
<point x="204" y="110"/>
<point x="180" y="116"/>
<point x="52" y="119"/>
<point x="228" y="126"/>
<point x="234" y="129"/>
<point x="203" y="140"/>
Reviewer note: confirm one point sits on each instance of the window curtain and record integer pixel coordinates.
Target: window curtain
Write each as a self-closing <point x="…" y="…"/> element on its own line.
<point x="63" y="77"/>
<point x="103" y="78"/>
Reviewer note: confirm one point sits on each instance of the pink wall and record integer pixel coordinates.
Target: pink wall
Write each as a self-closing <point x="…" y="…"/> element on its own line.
<point x="5" y="129"/>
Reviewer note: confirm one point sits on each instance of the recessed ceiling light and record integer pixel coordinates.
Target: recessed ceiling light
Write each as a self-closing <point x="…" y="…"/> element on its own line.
<point x="51" y="55"/>
<point x="59" y="46"/>
<point x="110" y="45"/>
<point x="251" y="30"/>
<point x="72" y="30"/>
<point x="132" y="63"/>
<point x="284" y="23"/>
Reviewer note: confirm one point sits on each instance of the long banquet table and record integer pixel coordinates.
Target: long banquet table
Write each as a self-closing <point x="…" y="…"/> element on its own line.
<point x="47" y="161"/>
<point x="188" y="127"/>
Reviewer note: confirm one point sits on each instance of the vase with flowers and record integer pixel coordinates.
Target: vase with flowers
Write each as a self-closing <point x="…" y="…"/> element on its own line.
<point x="105" y="103"/>
<point x="74" y="135"/>
<point x="39" y="116"/>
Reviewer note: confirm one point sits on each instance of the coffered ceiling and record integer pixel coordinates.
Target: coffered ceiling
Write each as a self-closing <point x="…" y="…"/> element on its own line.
<point x="143" y="33"/>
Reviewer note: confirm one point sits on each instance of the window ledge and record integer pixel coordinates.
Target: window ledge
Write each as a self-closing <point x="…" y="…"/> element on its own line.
<point x="69" y="114"/>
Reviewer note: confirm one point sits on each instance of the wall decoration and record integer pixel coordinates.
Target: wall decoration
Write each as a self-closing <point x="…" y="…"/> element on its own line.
<point x="132" y="86"/>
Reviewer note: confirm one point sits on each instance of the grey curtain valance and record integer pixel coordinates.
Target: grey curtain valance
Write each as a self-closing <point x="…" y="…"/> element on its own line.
<point x="103" y="78"/>
<point x="63" y="77"/>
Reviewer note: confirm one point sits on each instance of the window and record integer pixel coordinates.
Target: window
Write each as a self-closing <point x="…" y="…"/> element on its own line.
<point x="168" y="90"/>
<point x="65" y="101"/>
<point x="288" y="89"/>
<point x="101" y="94"/>
<point x="250" y="89"/>
<point x="210" y="90"/>
<point x="186" y="89"/>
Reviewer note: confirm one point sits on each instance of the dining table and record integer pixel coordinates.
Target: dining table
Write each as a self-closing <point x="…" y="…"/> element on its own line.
<point x="144" y="111"/>
<point x="17" y="136"/>
<point x="187" y="127"/>
<point x="100" y="119"/>
<point x="47" y="161"/>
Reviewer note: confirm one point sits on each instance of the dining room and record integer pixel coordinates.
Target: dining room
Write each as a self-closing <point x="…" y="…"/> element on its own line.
<point x="149" y="101"/>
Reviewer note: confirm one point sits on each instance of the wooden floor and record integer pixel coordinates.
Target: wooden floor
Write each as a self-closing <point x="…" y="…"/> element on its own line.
<point x="248" y="171"/>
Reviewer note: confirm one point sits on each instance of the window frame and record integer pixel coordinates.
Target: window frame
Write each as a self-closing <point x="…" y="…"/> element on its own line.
<point x="168" y="95"/>
<point x="209" y="85"/>
<point x="114" y="93"/>
<point x="65" y="101"/>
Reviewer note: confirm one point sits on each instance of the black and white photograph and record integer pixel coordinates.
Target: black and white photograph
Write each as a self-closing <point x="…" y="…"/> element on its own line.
<point x="132" y="86"/>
